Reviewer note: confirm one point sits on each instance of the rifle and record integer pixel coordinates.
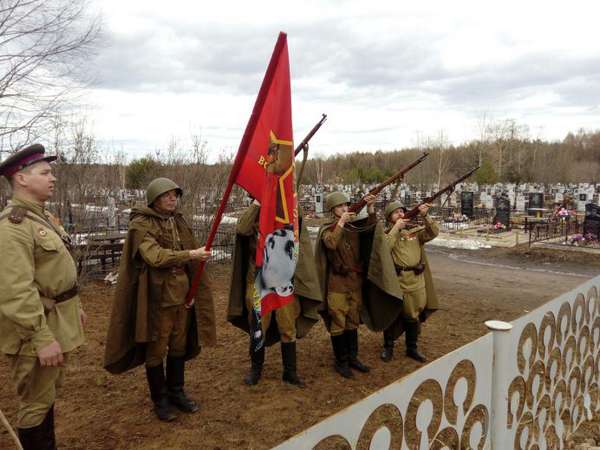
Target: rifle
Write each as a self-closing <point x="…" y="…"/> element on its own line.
<point x="304" y="144"/>
<point x="415" y="211"/>
<point x="356" y="207"/>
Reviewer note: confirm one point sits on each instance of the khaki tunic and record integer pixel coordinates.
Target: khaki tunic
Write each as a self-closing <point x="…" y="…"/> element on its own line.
<point x="36" y="266"/>
<point x="344" y="283"/>
<point x="406" y="252"/>
<point x="162" y="250"/>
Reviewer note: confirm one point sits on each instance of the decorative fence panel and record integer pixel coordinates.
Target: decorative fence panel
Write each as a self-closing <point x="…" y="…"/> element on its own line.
<point x="548" y="371"/>
<point x="443" y="405"/>
<point x="526" y="385"/>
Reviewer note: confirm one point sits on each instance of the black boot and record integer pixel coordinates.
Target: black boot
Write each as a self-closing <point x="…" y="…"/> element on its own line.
<point x="158" y="392"/>
<point x="175" y="383"/>
<point x="352" y="342"/>
<point x="412" y="334"/>
<point x="288" y="357"/>
<point x="40" y="437"/>
<point x="388" y="347"/>
<point x="340" y="350"/>
<point x="257" y="359"/>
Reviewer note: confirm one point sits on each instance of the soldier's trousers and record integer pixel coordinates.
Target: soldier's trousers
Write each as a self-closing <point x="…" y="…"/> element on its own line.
<point x="344" y="309"/>
<point x="36" y="388"/>
<point x="172" y="328"/>
<point x="413" y="304"/>
<point x="285" y="317"/>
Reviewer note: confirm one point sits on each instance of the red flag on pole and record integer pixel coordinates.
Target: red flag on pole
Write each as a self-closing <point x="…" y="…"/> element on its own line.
<point x="264" y="166"/>
<point x="267" y="173"/>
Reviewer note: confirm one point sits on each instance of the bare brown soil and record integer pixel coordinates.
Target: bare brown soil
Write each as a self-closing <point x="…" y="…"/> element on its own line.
<point x="96" y="410"/>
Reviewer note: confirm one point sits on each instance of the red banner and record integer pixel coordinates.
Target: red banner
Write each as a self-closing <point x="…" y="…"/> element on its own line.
<point x="267" y="173"/>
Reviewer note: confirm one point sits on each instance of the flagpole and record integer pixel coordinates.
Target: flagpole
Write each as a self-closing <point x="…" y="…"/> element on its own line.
<point x="237" y="163"/>
<point x="11" y="432"/>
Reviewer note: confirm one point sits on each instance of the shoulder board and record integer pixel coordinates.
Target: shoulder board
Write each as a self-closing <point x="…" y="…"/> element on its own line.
<point x="14" y="214"/>
<point x="17" y="214"/>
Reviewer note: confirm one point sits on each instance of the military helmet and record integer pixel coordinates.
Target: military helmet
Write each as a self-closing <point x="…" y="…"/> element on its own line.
<point x="393" y="206"/>
<point x="158" y="187"/>
<point x="335" y="199"/>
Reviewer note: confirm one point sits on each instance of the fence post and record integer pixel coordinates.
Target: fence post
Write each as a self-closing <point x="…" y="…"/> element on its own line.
<point x="502" y="353"/>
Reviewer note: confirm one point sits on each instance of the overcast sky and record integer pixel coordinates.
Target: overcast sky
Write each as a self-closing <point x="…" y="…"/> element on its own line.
<point x="388" y="74"/>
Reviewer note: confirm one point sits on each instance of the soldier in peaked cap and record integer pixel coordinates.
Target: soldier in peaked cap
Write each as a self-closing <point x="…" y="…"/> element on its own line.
<point x="41" y="319"/>
<point x="150" y="321"/>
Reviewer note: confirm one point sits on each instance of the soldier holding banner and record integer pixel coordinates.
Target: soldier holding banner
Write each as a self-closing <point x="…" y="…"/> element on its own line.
<point x="150" y="321"/>
<point x="287" y="323"/>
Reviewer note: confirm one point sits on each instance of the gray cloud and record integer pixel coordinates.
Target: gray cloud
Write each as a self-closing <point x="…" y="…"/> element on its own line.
<point x="376" y="69"/>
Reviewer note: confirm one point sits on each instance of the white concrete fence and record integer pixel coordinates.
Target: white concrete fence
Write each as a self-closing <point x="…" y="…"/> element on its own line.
<point x="526" y="385"/>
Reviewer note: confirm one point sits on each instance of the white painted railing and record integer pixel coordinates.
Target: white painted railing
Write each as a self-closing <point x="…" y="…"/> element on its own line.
<point x="526" y="385"/>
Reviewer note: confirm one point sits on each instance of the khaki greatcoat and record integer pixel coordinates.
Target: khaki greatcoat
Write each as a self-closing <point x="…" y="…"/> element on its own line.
<point x="137" y="300"/>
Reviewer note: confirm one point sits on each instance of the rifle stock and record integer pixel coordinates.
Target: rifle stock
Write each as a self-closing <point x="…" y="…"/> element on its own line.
<point x="356" y="207"/>
<point x="450" y="187"/>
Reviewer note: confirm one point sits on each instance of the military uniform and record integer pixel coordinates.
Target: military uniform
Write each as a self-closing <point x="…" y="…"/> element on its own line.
<point x="344" y="287"/>
<point x="157" y="261"/>
<point x="39" y="304"/>
<point x="410" y="263"/>
<point x="286" y="317"/>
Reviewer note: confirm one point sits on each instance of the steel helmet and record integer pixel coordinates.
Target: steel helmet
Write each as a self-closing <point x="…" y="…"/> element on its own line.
<point x="158" y="187"/>
<point x="335" y="199"/>
<point x="393" y="206"/>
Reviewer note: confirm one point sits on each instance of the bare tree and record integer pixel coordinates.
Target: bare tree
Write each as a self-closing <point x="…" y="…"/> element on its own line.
<point x="443" y="163"/>
<point x="42" y="43"/>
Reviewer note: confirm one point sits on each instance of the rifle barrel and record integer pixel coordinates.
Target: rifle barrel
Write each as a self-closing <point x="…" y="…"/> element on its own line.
<point x="414" y="211"/>
<point x="310" y="134"/>
<point x="356" y="207"/>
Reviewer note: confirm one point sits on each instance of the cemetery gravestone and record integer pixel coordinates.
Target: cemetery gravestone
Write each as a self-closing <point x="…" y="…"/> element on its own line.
<point x="536" y="203"/>
<point x="503" y="212"/>
<point x="466" y="204"/>
<point x="591" y="224"/>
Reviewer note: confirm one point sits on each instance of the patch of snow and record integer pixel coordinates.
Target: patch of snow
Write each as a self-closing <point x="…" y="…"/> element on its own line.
<point x="467" y="244"/>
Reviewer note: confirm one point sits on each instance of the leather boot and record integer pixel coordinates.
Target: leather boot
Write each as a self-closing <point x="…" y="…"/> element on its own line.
<point x="175" y="383"/>
<point x="40" y="437"/>
<point x="388" y="347"/>
<point x="257" y="359"/>
<point x="340" y="350"/>
<point x="412" y="334"/>
<point x="352" y="343"/>
<point x="158" y="392"/>
<point x="288" y="357"/>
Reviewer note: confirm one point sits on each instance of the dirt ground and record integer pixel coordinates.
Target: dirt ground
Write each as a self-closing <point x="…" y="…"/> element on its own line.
<point x="96" y="410"/>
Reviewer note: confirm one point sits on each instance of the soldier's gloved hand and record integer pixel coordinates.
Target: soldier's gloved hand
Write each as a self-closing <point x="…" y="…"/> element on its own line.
<point x="400" y="224"/>
<point x="424" y="208"/>
<point x="370" y="199"/>
<point x="200" y="253"/>
<point x="345" y="218"/>
<point x="51" y="355"/>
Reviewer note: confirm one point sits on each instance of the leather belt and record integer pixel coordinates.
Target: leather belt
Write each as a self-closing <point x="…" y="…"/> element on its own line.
<point x="177" y="269"/>
<point x="418" y="269"/>
<point x="67" y="295"/>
